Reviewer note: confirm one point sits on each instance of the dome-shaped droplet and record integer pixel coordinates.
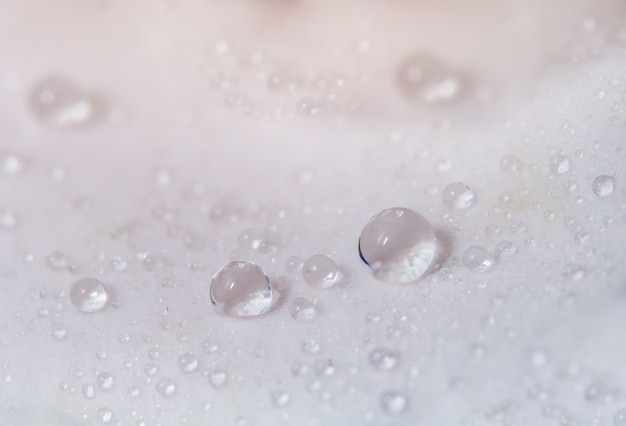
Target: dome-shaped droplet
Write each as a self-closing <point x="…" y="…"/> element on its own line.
<point x="320" y="271"/>
<point x="457" y="196"/>
<point x="188" y="363"/>
<point x="88" y="295"/>
<point x="477" y="259"/>
<point x="603" y="185"/>
<point x="241" y="289"/>
<point x="398" y="245"/>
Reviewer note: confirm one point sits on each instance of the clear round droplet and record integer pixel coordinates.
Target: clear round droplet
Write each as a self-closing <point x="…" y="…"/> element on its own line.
<point x="320" y="271"/>
<point x="188" y="363"/>
<point x="603" y="185"/>
<point x="393" y="402"/>
<point x="477" y="259"/>
<point x="383" y="359"/>
<point x="457" y="196"/>
<point x="303" y="309"/>
<point x="398" y="245"/>
<point x="511" y="164"/>
<point x="560" y="164"/>
<point x="241" y="289"/>
<point x="166" y="387"/>
<point x="88" y="295"/>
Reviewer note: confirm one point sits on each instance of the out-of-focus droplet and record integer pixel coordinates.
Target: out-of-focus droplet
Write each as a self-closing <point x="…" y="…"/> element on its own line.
<point x="511" y="164"/>
<point x="55" y="100"/>
<point x="393" y="402"/>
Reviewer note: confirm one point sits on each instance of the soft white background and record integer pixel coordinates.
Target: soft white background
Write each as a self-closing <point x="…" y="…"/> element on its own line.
<point x="187" y="124"/>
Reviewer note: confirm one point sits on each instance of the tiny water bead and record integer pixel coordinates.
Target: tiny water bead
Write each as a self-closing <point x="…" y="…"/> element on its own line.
<point x="88" y="295"/>
<point x="477" y="259"/>
<point x="320" y="271"/>
<point x="603" y="185"/>
<point x="398" y="245"/>
<point x="457" y="196"/>
<point x="241" y="289"/>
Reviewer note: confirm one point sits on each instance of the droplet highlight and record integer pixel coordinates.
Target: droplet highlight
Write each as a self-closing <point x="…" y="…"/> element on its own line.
<point x="320" y="271"/>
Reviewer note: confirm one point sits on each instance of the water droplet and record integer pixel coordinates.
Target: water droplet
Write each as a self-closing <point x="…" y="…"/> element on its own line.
<point x="398" y="245"/>
<point x="166" y="387"/>
<point x="574" y="272"/>
<point x="384" y="359"/>
<point x="7" y="219"/>
<point x="105" y="415"/>
<point x="505" y="249"/>
<point x="89" y="391"/>
<point x="320" y="271"/>
<point x="218" y="378"/>
<point x="241" y="289"/>
<point x="311" y="347"/>
<point x="303" y="309"/>
<point x="308" y="106"/>
<point x="603" y="185"/>
<point x="88" y="295"/>
<point x="324" y="367"/>
<point x="12" y="164"/>
<point x="457" y="196"/>
<point x="280" y="398"/>
<point x="425" y="78"/>
<point x="57" y="101"/>
<point x="393" y="402"/>
<point x="478" y="259"/>
<point x="102" y="355"/>
<point x="619" y="419"/>
<point x="188" y="363"/>
<point x="560" y="164"/>
<point x="106" y="381"/>
<point x="511" y="164"/>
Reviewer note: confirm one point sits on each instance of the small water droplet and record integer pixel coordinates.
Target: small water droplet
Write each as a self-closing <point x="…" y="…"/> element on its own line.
<point x="603" y="185"/>
<point x="166" y="387"/>
<point x="241" y="289"/>
<point x="393" y="402"/>
<point x="105" y="415"/>
<point x="511" y="164"/>
<point x="457" y="196"/>
<point x="105" y="381"/>
<point x="88" y="295"/>
<point x="311" y="347"/>
<point x="218" y="378"/>
<point x="384" y="359"/>
<point x="478" y="259"/>
<point x="303" y="309"/>
<point x="88" y="391"/>
<point x="425" y="78"/>
<point x="320" y="271"/>
<point x="398" y="245"/>
<point x="188" y="363"/>
<point x="280" y="398"/>
<point x="619" y="418"/>
<point x="560" y="164"/>
<point x="505" y="249"/>
<point x="574" y="272"/>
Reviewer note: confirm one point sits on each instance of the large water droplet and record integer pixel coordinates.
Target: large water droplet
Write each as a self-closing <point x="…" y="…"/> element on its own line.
<point x="320" y="271"/>
<point x="398" y="245"/>
<point x="241" y="289"/>
<point x="88" y="295"/>
<point x="603" y="185"/>
<point x="457" y="196"/>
